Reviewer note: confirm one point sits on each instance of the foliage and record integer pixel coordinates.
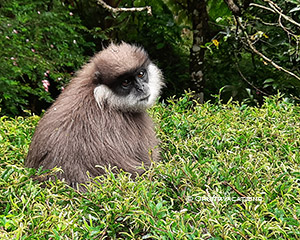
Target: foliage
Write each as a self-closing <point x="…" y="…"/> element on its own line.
<point x="40" y="44"/>
<point x="233" y="65"/>
<point x="212" y="156"/>
<point x="161" y="34"/>
<point x="44" y="42"/>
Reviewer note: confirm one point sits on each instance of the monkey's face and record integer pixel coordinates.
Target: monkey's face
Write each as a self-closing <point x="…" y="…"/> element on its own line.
<point x="133" y="87"/>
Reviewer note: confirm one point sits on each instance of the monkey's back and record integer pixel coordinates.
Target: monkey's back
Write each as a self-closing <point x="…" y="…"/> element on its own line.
<point x="79" y="136"/>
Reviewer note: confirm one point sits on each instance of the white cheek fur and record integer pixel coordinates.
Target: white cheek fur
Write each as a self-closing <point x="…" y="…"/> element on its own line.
<point x="155" y="83"/>
<point x="103" y="94"/>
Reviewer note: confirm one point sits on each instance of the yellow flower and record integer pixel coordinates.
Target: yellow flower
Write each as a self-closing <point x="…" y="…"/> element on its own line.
<point x="216" y="42"/>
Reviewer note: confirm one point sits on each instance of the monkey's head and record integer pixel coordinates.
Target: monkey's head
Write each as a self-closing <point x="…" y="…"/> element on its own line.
<point x="125" y="78"/>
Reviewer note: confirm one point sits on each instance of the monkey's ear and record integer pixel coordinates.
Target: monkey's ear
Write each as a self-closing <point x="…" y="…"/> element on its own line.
<point x="97" y="77"/>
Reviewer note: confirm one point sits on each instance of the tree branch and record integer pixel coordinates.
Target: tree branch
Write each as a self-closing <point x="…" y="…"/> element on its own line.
<point x="234" y="8"/>
<point x="262" y="55"/>
<point x="275" y="9"/>
<point x="116" y="10"/>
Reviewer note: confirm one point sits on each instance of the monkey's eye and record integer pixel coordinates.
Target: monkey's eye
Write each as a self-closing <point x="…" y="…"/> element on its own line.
<point x="141" y="74"/>
<point x="126" y="83"/>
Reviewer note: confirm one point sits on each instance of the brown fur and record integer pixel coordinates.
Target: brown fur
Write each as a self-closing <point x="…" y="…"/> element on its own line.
<point x="78" y="135"/>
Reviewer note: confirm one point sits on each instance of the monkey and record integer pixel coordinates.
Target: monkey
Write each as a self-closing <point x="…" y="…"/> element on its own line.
<point x="101" y="119"/>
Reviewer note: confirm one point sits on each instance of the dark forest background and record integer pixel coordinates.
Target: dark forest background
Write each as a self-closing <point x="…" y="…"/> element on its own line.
<point x="236" y="49"/>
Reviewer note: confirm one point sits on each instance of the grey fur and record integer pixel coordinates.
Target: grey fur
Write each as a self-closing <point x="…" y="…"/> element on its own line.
<point x="85" y="127"/>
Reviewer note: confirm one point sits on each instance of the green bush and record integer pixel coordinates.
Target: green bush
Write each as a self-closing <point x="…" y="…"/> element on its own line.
<point x="213" y="156"/>
<point x="39" y="41"/>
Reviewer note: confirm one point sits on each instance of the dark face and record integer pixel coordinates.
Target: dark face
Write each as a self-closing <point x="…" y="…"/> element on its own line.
<point x="132" y="83"/>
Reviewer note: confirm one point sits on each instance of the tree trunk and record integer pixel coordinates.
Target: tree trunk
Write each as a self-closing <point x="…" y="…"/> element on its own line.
<point x="197" y="10"/>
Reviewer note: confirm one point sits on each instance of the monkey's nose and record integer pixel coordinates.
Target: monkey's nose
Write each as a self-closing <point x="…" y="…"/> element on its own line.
<point x="140" y="88"/>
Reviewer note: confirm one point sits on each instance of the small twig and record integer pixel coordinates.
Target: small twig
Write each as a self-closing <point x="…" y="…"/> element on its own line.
<point x="133" y="9"/>
<point x="265" y="23"/>
<point x="234" y="189"/>
<point x="261" y="6"/>
<point x="245" y="79"/>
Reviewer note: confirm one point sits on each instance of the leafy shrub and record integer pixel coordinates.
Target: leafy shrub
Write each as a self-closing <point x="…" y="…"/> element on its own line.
<point x="40" y="44"/>
<point x="212" y="157"/>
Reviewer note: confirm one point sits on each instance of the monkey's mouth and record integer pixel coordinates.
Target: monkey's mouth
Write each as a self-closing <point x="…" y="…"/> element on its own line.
<point x="145" y="98"/>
